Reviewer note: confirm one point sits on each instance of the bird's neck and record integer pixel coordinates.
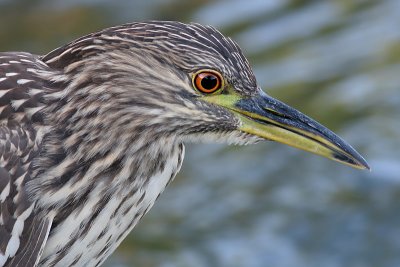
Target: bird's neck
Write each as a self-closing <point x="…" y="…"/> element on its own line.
<point x="97" y="142"/>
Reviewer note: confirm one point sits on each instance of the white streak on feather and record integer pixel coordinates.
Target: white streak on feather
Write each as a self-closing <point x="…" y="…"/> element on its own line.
<point x="31" y="111"/>
<point x="3" y="259"/>
<point x="5" y="192"/>
<point x="17" y="103"/>
<point x="3" y="92"/>
<point x="12" y="246"/>
<point x="18" y="182"/>
<point x="59" y="56"/>
<point x="25" y="214"/>
<point x="34" y="91"/>
<point x="23" y="81"/>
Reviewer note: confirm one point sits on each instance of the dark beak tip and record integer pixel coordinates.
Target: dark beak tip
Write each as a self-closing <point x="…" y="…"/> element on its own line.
<point x="366" y="166"/>
<point x="362" y="163"/>
<point x="356" y="160"/>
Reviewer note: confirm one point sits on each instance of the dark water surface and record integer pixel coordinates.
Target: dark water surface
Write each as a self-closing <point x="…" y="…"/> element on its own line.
<point x="267" y="204"/>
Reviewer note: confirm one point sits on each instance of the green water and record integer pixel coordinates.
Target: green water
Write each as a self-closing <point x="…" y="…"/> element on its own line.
<point x="267" y="204"/>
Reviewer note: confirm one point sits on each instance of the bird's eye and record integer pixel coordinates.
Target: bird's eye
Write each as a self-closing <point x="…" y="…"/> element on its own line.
<point x="207" y="81"/>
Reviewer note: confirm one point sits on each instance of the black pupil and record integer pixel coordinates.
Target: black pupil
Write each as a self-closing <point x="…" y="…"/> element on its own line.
<point x="209" y="82"/>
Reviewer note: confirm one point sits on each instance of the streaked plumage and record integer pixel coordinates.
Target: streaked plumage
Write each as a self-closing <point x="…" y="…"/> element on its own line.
<point x="93" y="132"/>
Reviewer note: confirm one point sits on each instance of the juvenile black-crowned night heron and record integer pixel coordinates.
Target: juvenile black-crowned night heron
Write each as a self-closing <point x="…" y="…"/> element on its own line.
<point x="93" y="132"/>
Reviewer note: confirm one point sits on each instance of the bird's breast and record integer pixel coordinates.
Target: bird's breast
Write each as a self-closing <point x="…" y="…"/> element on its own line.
<point x="90" y="234"/>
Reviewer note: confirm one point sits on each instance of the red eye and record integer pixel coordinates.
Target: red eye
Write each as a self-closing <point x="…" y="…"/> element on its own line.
<point x="207" y="81"/>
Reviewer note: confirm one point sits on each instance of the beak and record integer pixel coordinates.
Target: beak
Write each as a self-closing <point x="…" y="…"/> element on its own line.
<point x="266" y="117"/>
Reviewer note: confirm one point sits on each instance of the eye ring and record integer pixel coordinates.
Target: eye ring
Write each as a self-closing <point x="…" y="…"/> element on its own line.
<point x="207" y="81"/>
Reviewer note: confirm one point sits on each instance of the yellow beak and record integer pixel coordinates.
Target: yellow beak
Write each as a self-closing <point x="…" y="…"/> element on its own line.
<point x="266" y="117"/>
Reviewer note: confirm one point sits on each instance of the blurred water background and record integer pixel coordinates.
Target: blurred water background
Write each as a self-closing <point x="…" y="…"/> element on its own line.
<point x="266" y="204"/>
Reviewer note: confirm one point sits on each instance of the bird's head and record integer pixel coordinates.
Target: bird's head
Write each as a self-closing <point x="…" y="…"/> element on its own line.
<point x="185" y="80"/>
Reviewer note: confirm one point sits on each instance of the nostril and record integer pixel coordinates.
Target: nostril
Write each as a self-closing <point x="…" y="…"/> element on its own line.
<point x="277" y="113"/>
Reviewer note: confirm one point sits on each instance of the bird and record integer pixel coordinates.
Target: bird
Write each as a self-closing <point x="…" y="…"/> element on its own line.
<point x="93" y="132"/>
